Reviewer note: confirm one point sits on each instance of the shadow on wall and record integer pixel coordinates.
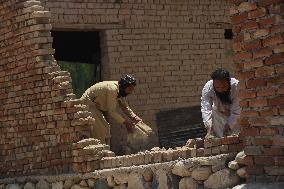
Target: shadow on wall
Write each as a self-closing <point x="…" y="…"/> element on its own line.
<point x="176" y="126"/>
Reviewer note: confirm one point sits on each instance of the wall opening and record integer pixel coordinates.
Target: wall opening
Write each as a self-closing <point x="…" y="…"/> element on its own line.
<point x="176" y="126"/>
<point x="79" y="53"/>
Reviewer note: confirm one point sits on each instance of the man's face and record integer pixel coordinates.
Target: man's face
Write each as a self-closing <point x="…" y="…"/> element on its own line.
<point x="129" y="89"/>
<point x="221" y="86"/>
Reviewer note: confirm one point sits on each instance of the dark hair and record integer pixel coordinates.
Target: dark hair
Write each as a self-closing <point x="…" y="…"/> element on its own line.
<point x="221" y="74"/>
<point x="126" y="81"/>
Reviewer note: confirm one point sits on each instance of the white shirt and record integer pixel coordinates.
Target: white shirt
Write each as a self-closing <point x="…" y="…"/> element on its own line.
<point x="210" y="103"/>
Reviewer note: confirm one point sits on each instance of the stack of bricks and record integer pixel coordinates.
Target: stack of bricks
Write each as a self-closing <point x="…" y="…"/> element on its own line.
<point x="259" y="58"/>
<point x="39" y="121"/>
<point x="196" y="148"/>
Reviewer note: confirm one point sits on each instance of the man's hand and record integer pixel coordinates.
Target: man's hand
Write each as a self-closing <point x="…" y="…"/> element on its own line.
<point x="129" y="125"/>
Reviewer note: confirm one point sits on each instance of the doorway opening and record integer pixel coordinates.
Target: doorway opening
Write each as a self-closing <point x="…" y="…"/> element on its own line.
<point x="79" y="53"/>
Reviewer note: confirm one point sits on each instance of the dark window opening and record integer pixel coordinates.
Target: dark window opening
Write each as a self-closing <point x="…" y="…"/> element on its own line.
<point x="228" y="34"/>
<point x="175" y="127"/>
<point x="78" y="53"/>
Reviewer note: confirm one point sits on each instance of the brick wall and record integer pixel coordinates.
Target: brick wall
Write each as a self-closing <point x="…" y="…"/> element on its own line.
<point x="259" y="57"/>
<point x="170" y="46"/>
<point x="38" y="122"/>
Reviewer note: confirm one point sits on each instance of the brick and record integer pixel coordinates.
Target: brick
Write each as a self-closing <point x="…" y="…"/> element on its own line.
<point x="259" y="121"/>
<point x="276" y="101"/>
<point x="268" y="112"/>
<point x="242" y="56"/>
<point x="253" y="64"/>
<point x="236" y="19"/>
<point x="274" y="151"/>
<point x="266" y="92"/>
<point x="264" y="52"/>
<point x="256" y="44"/>
<point x="253" y="150"/>
<point x="268" y="131"/>
<point x="253" y="83"/>
<point x="263" y="160"/>
<point x="245" y="75"/>
<point x="230" y="140"/>
<point x="254" y="170"/>
<point x="249" y="113"/>
<point x="278" y="141"/>
<point x="275" y="81"/>
<point x="246" y="6"/>
<point x="263" y="141"/>
<point x="278" y="48"/>
<point x="266" y="22"/>
<point x="249" y="131"/>
<point x="260" y="33"/>
<point x="274" y="170"/>
<point x="265" y="71"/>
<point x="260" y="12"/>
<point x="258" y="103"/>
<point x="265" y="3"/>
<point x="274" y="40"/>
<point x="244" y="104"/>
<point x="233" y="10"/>
<point x="251" y="25"/>
<point x="244" y="94"/>
<point x="275" y="59"/>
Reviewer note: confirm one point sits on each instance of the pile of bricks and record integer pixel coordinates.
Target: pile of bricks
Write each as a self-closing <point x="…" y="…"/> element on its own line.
<point x="194" y="148"/>
<point x="259" y="57"/>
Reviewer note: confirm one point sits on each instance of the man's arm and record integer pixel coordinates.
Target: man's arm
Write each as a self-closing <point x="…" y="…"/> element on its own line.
<point x="111" y="106"/>
<point x="127" y="110"/>
<point x="234" y="109"/>
<point x="206" y="108"/>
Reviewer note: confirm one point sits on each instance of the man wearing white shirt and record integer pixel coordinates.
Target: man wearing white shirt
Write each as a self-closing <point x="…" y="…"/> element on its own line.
<point x="220" y="104"/>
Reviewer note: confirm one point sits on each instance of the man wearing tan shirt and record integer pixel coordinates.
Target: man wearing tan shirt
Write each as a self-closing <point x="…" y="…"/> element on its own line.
<point x="103" y="98"/>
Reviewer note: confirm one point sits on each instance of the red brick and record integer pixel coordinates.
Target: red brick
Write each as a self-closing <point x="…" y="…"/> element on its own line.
<point x="276" y="29"/>
<point x="275" y="59"/>
<point x="279" y="161"/>
<point x="243" y="121"/>
<point x="275" y="81"/>
<point x="244" y="94"/>
<point x="247" y="6"/>
<point x="265" y="3"/>
<point x="236" y="28"/>
<point x="274" y="40"/>
<point x="278" y="49"/>
<point x="266" y="22"/>
<point x="236" y="2"/>
<point x="281" y="110"/>
<point x="267" y="131"/>
<point x="256" y="44"/>
<point x="260" y="12"/>
<point x="276" y="9"/>
<point x="253" y="64"/>
<point x="273" y="151"/>
<point x="263" y="160"/>
<point x="238" y="38"/>
<point x="237" y="47"/>
<point x="269" y="112"/>
<point x="259" y="121"/>
<point x="280" y="90"/>
<point x="264" y="52"/>
<point x="263" y="141"/>
<point x="253" y="83"/>
<point x="230" y="140"/>
<point x="248" y="161"/>
<point x="261" y="33"/>
<point x="249" y="131"/>
<point x="266" y="92"/>
<point x="243" y="103"/>
<point x="254" y="170"/>
<point x="249" y="113"/>
<point x="258" y="103"/>
<point x="236" y="19"/>
<point x="239" y="66"/>
<point x="278" y="141"/>
<point x="276" y="101"/>
<point x="264" y="71"/>
<point x="242" y="56"/>
<point x="245" y="75"/>
<point x="250" y="25"/>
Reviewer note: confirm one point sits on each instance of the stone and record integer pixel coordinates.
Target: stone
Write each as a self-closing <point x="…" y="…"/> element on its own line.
<point x="148" y="175"/>
<point x="76" y="186"/>
<point x="240" y="158"/>
<point x="190" y="143"/>
<point x="67" y="184"/>
<point x="162" y="179"/>
<point x="218" y="167"/>
<point x="42" y="184"/>
<point x="83" y="183"/>
<point x="110" y="181"/>
<point x="121" y="178"/>
<point x="122" y="186"/>
<point x="91" y="182"/>
<point x="187" y="182"/>
<point x="222" y="179"/>
<point x="260" y="186"/>
<point x="182" y="169"/>
<point x="57" y="185"/>
<point x="201" y="173"/>
<point x="28" y="185"/>
<point x="135" y="181"/>
<point x="101" y="184"/>
<point x="13" y="186"/>
<point x="233" y="165"/>
<point x="242" y="172"/>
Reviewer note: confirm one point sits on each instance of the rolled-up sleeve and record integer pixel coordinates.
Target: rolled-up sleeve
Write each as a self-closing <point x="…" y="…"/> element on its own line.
<point x="206" y="106"/>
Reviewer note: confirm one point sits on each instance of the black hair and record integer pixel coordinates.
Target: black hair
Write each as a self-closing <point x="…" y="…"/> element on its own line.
<point x="124" y="82"/>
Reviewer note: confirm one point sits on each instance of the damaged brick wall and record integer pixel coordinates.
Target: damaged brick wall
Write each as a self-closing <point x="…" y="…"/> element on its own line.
<point x="170" y="46"/>
<point x="38" y="119"/>
<point x="259" y="56"/>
